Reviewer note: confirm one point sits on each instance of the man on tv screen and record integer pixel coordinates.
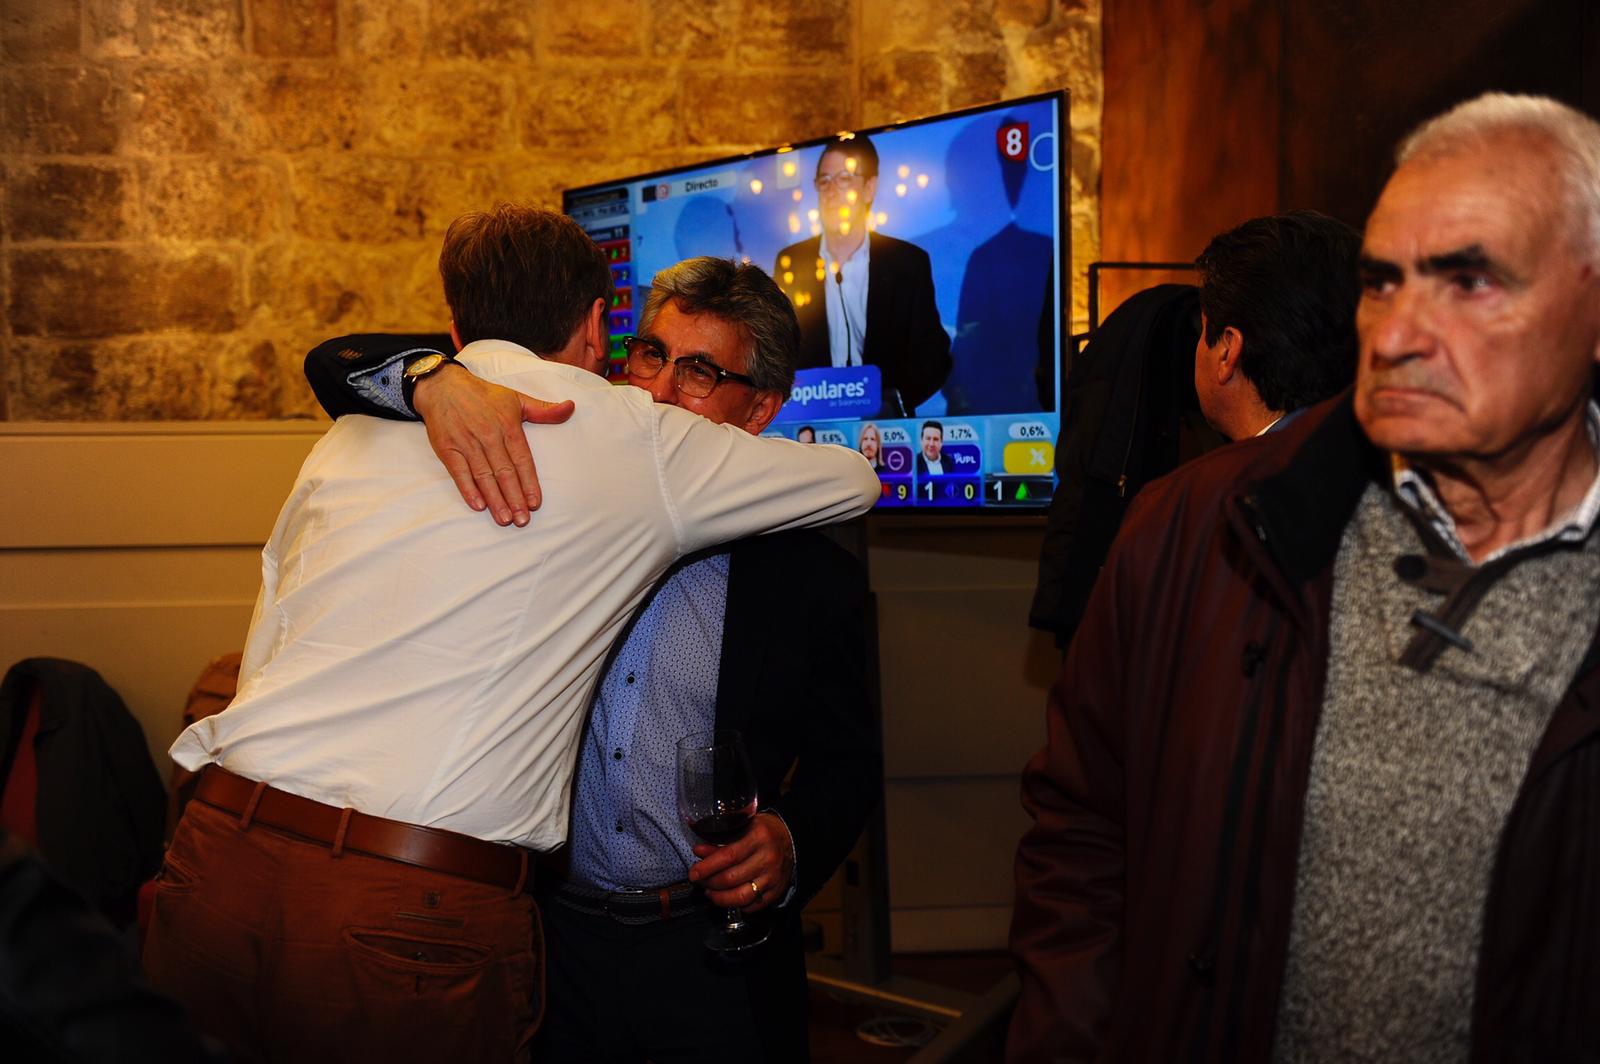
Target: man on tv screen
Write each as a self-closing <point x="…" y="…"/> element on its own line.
<point x="930" y="460"/>
<point x="863" y="298"/>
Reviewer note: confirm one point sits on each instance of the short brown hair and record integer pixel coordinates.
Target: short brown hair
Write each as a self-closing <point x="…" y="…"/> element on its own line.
<point x="521" y="274"/>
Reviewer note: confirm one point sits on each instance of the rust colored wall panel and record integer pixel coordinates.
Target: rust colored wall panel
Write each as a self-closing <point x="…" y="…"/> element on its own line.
<point x="1359" y="74"/>
<point x="1219" y="111"/>
<point x="1191" y="127"/>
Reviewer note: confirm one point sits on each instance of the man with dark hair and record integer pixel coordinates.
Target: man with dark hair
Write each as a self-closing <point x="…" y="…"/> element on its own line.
<point x="630" y="975"/>
<point x="863" y="298"/>
<point x="1321" y="771"/>
<point x="352" y="878"/>
<point x="930" y="455"/>
<point x="1277" y="308"/>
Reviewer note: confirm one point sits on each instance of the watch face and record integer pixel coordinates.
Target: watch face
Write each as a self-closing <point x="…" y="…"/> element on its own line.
<point x="424" y="366"/>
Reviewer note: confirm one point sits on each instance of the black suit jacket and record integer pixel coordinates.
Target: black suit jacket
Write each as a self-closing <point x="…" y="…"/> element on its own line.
<point x="903" y="336"/>
<point x="794" y="679"/>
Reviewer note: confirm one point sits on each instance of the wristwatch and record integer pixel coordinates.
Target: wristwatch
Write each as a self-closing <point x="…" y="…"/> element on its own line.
<point x="428" y="364"/>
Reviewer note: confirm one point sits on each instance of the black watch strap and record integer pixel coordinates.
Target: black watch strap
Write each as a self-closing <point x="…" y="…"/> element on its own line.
<point x="408" y="378"/>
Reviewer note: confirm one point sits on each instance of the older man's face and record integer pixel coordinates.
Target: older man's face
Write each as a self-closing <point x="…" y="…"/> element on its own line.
<point x="1480" y="312"/>
<point x="721" y="343"/>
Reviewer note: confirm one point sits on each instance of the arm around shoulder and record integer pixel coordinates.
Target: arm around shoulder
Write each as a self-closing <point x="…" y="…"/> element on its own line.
<point x="723" y="484"/>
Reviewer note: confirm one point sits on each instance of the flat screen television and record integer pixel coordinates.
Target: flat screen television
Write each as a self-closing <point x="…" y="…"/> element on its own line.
<point x="969" y="246"/>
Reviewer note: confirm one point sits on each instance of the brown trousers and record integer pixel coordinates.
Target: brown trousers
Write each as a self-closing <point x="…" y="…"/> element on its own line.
<point x="286" y="952"/>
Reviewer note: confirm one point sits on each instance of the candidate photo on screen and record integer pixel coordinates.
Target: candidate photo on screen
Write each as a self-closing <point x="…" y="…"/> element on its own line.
<point x="864" y="298"/>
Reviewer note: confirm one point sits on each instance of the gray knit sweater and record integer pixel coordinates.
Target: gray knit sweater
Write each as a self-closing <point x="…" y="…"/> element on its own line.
<point x="1412" y="777"/>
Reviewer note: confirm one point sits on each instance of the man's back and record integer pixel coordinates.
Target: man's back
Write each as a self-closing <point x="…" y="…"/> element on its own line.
<point x="412" y="660"/>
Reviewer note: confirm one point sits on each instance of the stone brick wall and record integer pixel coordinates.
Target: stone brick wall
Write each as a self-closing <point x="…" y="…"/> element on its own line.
<point x="192" y="192"/>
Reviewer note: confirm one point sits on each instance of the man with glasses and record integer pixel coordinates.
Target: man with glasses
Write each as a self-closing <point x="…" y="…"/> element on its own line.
<point x="863" y="298"/>
<point x="630" y="976"/>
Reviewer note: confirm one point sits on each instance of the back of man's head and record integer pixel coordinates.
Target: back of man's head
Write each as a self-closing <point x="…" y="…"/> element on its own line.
<point x="521" y="274"/>
<point x="1288" y="283"/>
<point x="744" y="296"/>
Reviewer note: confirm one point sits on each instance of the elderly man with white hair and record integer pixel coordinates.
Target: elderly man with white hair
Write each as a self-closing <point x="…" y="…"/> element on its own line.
<point x="1322" y="779"/>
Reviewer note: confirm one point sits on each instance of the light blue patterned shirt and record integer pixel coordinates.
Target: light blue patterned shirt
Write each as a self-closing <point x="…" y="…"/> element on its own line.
<point x="662" y="685"/>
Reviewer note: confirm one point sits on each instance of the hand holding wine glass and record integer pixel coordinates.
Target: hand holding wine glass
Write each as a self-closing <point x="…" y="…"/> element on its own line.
<point x="717" y="799"/>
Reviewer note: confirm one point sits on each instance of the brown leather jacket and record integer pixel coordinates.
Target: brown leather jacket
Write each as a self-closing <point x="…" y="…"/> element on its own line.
<point x="1155" y="889"/>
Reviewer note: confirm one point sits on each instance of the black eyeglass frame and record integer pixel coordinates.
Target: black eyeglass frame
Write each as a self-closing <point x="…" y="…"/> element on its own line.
<point x="661" y="362"/>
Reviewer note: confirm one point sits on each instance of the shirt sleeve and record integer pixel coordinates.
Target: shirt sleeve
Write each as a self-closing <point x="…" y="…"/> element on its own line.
<point x="721" y="483"/>
<point x="361" y="373"/>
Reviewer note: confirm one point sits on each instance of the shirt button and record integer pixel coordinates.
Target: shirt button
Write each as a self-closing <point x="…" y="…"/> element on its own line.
<point x="616" y="755"/>
<point x="630" y="677"/>
<point x="619" y="825"/>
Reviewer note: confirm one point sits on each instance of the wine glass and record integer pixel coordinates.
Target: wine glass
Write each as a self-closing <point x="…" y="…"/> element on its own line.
<point x="717" y="800"/>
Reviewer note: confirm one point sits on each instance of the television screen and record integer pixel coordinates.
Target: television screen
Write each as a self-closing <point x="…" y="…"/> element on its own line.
<point x="925" y="264"/>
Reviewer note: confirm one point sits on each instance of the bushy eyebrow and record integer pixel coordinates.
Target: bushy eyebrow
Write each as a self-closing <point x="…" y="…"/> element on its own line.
<point x="1471" y="257"/>
<point x="1372" y="269"/>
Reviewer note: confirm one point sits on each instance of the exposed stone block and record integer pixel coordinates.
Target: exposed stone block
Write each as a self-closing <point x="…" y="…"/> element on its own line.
<point x="423" y="112"/>
<point x="449" y="187"/>
<point x="327" y="289"/>
<point x="818" y="32"/>
<point x="1022" y="12"/>
<point x="294" y="29"/>
<point x="112" y="28"/>
<point x="910" y="25"/>
<point x="70" y="201"/>
<point x="572" y="106"/>
<point x="757" y="109"/>
<point x="194" y="30"/>
<point x="693" y="29"/>
<point x="386" y="30"/>
<point x="363" y="199"/>
<point x="486" y="29"/>
<point x="60" y="110"/>
<point x="292" y="107"/>
<point x="902" y="85"/>
<point x="323" y="285"/>
<point x="183" y="110"/>
<point x="79" y="292"/>
<point x="250" y="381"/>
<point x="578" y="30"/>
<point x="976" y="78"/>
<point x="155" y="379"/>
<point x="214" y="199"/>
<point x="1065" y="53"/>
<point x="34" y="31"/>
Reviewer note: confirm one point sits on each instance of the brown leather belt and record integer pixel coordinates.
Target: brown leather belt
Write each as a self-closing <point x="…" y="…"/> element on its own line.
<point x="452" y="853"/>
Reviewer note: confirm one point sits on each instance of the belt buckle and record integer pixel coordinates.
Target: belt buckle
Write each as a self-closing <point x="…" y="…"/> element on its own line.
<point x="629" y="895"/>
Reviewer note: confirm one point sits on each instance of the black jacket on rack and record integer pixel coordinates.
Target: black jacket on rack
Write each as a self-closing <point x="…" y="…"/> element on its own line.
<point x="1130" y="414"/>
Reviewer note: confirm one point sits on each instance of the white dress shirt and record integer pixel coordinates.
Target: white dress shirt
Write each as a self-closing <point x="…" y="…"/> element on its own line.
<point x="411" y="659"/>
<point x="847" y="316"/>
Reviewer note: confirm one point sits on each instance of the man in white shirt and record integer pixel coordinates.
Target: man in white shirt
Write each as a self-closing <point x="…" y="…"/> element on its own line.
<point x="351" y="880"/>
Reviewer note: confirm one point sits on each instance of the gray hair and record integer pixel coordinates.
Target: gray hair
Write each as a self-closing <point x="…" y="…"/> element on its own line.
<point x="1574" y="136"/>
<point x="742" y="295"/>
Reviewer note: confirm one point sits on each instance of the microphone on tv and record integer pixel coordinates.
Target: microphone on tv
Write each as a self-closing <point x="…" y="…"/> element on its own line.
<point x="849" y="334"/>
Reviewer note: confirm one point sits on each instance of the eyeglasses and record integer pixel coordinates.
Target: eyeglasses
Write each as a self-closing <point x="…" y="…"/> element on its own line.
<point x="694" y="375"/>
<point x="844" y="181"/>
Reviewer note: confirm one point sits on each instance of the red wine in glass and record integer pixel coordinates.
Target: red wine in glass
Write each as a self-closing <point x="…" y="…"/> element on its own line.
<point x="717" y="800"/>
<point x="719" y="829"/>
